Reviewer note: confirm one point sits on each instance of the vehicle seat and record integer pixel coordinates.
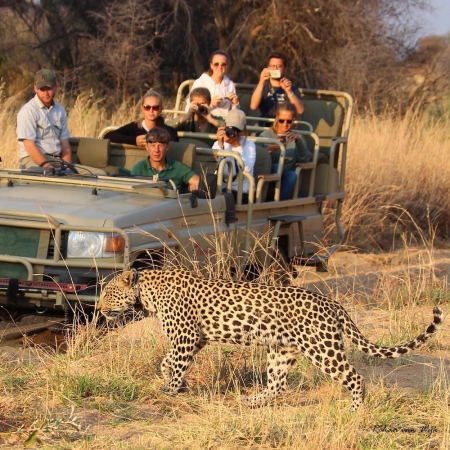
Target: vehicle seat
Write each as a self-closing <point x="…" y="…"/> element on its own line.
<point x="94" y="153"/>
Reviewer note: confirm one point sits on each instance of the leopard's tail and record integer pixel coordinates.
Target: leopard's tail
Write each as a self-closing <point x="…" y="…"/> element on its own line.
<point x="352" y="331"/>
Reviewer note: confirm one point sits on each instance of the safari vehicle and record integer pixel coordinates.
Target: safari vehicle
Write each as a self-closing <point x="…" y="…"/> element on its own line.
<point x="61" y="233"/>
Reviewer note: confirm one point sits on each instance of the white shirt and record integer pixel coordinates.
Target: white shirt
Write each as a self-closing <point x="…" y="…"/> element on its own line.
<point x="247" y="151"/>
<point x="47" y="127"/>
<point x="222" y="90"/>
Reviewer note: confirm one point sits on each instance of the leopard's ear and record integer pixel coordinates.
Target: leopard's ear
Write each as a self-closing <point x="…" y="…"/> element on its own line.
<point x="127" y="279"/>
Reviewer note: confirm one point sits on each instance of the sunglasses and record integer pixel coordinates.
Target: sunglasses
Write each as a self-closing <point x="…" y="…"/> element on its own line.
<point x="288" y="121"/>
<point x="151" y="107"/>
<point x="219" y="64"/>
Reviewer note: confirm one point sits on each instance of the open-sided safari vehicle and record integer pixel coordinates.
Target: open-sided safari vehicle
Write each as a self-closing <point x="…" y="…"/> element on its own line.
<point x="61" y="233"/>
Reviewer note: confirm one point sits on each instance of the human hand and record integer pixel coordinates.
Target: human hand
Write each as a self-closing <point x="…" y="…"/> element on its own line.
<point x="221" y="135"/>
<point x="290" y="136"/>
<point x="233" y="98"/>
<point x="265" y="75"/>
<point x="140" y="140"/>
<point x="216" y="100"/>
<point x="286" y="84"/>
<point x="193" y="108"/>
<point x="273" y="148"/>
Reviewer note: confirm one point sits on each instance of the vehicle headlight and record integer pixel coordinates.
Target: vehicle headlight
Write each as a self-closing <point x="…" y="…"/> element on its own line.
<point x="86" y="244"/>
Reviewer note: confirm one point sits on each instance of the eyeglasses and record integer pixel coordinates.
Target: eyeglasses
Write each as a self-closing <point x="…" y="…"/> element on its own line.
<point x="151" y="107"/>
<point x="221" y="64"/>
<point x="275" y="66"/>
<point x="288" y="121"/>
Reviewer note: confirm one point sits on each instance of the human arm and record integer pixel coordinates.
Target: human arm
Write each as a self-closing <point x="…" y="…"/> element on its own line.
<point x="66" y="151"/>
<point x="304" y="155"/>
<point x="292" y="94"/>
<point x="130" y="134"/>
<point x="269" y="133"/>
<point x="193" y="183"/>
<point x="232" y="95"/>
<point x="249" y="156"/>
<point x="257" y="95"/>
<point x="35" y="153"/>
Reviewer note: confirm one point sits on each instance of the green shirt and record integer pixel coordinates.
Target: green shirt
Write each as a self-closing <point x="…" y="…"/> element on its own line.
<point x="174" y="170"/>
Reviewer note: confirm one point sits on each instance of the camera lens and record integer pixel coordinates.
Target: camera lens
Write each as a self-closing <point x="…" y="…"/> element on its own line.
<point x="230" y="132"/>
<point x="202" y="109"/>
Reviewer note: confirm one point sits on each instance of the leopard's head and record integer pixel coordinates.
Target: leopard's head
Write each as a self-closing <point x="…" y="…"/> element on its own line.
<point x="119" y="295"/>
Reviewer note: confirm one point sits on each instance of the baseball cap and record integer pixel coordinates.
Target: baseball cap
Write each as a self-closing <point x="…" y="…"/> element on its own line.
<point x="44" y="78"/>
<point x="235" y="118"/>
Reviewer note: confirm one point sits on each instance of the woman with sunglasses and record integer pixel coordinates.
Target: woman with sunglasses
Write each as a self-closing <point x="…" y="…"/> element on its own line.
<point x="296" y="149"/>
<point x="222" y="89"/>
<point x="134" y="133"/>
<point x="232" y="137"/>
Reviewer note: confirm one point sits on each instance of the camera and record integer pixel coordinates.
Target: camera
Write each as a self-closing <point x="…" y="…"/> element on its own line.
<point x="202" y="109"/>
<point x="230" y="132"/>
<point x="275" y="74"/>
<point x="282" y="138"/>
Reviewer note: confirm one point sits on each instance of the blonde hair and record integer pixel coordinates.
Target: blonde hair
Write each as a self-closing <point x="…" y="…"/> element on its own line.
<point x="147" y="95"/>
<point x="285" y="106"/>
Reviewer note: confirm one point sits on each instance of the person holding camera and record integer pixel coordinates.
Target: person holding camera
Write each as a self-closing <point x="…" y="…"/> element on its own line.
<point x="274" y="88"/>
<point x="232" y="137"/>
<point x="296" y="149"/>
<point x="198" y="118"/>
<point x="221" y="88"/>
<point x="134" y="133"/>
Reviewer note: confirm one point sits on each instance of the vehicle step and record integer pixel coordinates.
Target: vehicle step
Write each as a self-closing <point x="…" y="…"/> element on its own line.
<point x="287" y="218"/>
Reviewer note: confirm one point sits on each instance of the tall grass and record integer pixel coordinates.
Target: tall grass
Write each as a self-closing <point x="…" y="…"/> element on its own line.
<point x="395" y="166"/>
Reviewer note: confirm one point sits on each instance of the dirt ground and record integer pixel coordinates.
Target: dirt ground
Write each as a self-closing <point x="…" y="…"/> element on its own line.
<point x="357" y="280"/>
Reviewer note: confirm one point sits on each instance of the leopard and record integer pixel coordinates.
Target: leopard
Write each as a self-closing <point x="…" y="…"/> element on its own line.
<point x="289" y="321"/>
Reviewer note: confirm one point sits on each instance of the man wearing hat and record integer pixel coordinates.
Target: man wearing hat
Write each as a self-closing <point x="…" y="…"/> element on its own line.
<point x="233" y="137"/>
<point x="42" y="125"/>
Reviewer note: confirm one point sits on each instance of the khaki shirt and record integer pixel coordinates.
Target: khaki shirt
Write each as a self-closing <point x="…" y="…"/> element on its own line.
<point x="47" y="127"/>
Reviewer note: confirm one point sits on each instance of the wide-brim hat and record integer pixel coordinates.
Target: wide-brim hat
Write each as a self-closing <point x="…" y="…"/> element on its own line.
<point x="235" y="118"/>
<point x="44" y="78"/>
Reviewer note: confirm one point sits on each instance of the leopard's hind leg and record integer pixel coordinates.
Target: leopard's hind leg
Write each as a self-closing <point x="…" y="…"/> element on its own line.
<point x="339" y="369"/>
<point x="279" y="361"/>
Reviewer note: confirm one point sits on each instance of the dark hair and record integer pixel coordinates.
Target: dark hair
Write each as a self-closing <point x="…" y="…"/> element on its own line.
<point x="279" y="55"/>
<point x="214" y="53"/>
<point x="201" y="92"/>
<point x="157" y="134"/>
<point x="285" y="106"/>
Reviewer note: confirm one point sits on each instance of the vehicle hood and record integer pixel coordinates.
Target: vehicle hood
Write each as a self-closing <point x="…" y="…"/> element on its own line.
<point x="77" y="205"/>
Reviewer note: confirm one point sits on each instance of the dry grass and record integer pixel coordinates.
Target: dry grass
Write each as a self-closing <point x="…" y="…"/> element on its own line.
<point x="104" y="392"/>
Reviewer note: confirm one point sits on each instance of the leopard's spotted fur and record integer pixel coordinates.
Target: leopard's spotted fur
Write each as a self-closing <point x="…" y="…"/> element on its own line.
<point x="288" y="320"/>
